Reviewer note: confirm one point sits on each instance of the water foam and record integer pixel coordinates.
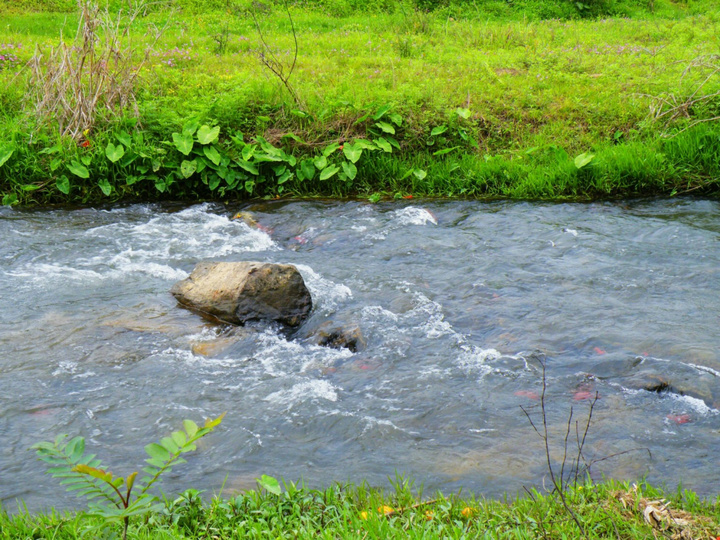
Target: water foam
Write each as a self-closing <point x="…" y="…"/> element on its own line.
<point x="194" y="232"/>
<point x="412" y="215"/>
<point x="326" y="294"/>
<point x="696" y="405"/>
<point x="303" y="391"/>
<point x="477" y="359"/>
<point x="42" y="272"/>
<point x="434" y="324"/>
<point x="124" y="264"/>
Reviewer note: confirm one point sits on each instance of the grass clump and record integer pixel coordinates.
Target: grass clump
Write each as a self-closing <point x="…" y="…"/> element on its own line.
<point x="606" y="510"/>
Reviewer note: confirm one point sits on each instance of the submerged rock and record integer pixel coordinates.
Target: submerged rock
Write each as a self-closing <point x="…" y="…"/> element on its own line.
<point x="348" y="336"/>
<point x="336" y="334"/>
<point x="683" y="382"/>
<point x="238" y="292"/>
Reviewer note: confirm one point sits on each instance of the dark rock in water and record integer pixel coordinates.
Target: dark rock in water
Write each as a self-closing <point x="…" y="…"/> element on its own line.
<point x="651" y="382"/>
<point x="334" y="334"/>
<point x="683" y="382"/>
<point x="238" y="292"/>
<point x="340" y="337"/>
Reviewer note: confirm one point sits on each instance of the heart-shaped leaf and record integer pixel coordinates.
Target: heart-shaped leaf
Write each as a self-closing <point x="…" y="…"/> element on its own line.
<point x="385" y="127"/>
<point x="381" y="112"/>
<point x="438" y="131"/>
<point x="383" y="144"/>
<point x="124" y="137"/>
<point x="249" y="167"/>
<point x="206" y="134"/>
<point x="183" y="142"/>
<point x="114" y="153"/>
<point x="63" y="184"/>
<point x="161" y="184"/>
<point x="190" y="126"/>
<point x="212" y="154"/>
<point x="393" y="142"/>
<point x="9" y="199"/>
<point x="105" y="187"/>
<point x="349" y="169"/>
<point x="352" y="152"/>
<point x="307" y="168"/>
<point x="214" y="182"/>
<point x="330" y="149"/>
<point x="188" y="168"/>
<point x="320" y="162"/>
<point x="364" y="144"/>
<point x="270" y="484"/>
<point x="328" y="172"/>
<point x="395" y="118"/>
<point x="248" y="151"/>
<point x="287" y="175"/>
<point x="78" y="169"/>
<point x="583" y="160"/>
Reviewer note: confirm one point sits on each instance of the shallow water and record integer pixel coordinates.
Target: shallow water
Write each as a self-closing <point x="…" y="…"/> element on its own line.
<point x="460" y="303"/>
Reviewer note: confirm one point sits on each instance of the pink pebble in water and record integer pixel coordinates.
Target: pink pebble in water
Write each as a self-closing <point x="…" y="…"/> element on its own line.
<point x="679" y="418"/>
<point x="526" y="393"/>
<point x="42" y="412"/>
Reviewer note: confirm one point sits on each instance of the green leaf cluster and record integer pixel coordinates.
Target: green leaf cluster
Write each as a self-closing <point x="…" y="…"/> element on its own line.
<point x="111" y="497"/>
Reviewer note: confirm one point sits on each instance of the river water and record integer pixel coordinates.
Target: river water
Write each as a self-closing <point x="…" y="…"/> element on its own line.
<point x="459" y="304"/>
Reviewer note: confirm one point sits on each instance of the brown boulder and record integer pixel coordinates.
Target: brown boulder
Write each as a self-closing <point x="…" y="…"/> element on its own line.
<point x="238" y="292"/>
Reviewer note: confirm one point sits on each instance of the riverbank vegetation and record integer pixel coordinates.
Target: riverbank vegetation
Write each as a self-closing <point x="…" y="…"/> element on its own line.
<point x="198" y="100"/>
<point x="606" y="510"/>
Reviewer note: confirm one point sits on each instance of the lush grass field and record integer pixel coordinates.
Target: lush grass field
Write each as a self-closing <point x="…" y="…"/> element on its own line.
<point x="483" y="99"/>
<point x="607" y="510"/>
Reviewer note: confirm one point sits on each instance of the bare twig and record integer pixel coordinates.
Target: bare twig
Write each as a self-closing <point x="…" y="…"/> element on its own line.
<point x="273" y="63"/>
<point x="581" y="441"/>
<point x="558" y="483"/>
<point x="568" y="429"/>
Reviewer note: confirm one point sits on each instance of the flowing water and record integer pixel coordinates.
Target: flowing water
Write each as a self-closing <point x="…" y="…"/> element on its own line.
<point x="459" y="303"/>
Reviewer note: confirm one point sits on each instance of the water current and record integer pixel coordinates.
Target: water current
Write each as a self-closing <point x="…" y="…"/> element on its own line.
<point x="459" y="304"/>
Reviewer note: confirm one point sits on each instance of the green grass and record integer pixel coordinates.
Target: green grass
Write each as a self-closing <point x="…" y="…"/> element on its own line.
<point x="606" y="510"/>
<point x="538" y="94"/>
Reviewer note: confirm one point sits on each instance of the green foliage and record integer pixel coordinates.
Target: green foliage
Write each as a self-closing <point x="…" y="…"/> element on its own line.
<point x="61" y="6"/>
<point x="284" y="509"/>
<point x="484" y="107"/>
<point x="110" y="497"/>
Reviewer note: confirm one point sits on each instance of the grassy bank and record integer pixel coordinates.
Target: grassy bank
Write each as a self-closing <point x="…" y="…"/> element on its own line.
<point x="484" y="100"/>
<point x="608" y="510"/>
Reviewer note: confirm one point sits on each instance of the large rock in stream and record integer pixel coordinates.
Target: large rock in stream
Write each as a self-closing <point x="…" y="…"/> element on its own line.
<point x="238" y="292"/>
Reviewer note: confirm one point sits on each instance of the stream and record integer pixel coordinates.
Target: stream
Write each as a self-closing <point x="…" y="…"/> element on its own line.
<point x="460" y="305"/>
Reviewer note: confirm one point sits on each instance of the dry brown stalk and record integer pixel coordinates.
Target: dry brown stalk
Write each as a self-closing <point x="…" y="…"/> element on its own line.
<point x="668" y="107"/>
<point x="93" y="78"/>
